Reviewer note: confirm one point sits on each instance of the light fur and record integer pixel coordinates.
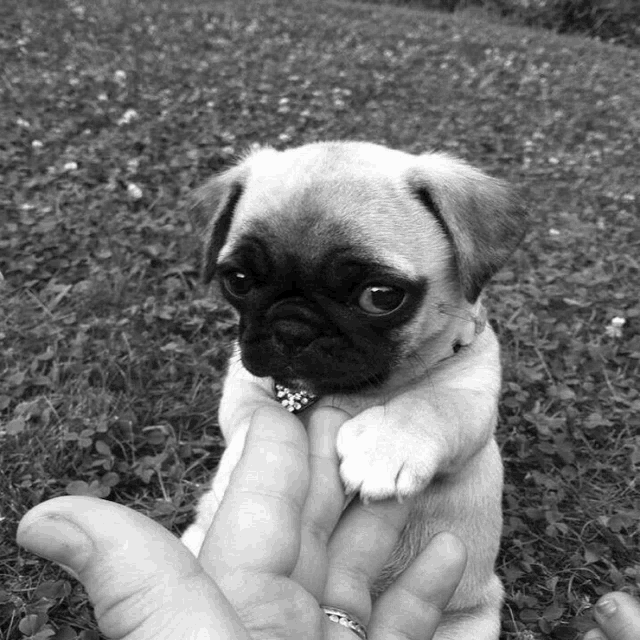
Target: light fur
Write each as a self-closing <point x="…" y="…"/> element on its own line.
<point x="428" y="431"/>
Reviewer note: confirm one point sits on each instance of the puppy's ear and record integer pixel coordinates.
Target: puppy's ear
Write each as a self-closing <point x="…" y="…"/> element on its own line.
<point x="211" y="213"/>
<point x="482" y="217"/>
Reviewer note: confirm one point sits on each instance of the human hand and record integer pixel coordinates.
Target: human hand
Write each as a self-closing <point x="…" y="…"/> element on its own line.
<point x="279" y="547"/>
<point x="618" y="618"/>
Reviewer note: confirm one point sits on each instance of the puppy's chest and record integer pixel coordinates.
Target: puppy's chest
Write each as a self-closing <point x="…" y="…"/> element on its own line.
<point x="352" y="404"/>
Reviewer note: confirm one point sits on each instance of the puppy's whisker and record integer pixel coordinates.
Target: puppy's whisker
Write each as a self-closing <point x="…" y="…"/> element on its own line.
<point x="417" y="364"/>
<point x="479" y="318"/>
<point x="416" y="359"/>
<point x="455" y="312"/>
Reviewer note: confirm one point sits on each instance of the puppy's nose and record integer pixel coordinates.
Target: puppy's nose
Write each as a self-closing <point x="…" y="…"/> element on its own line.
<point x="294" y="335"/>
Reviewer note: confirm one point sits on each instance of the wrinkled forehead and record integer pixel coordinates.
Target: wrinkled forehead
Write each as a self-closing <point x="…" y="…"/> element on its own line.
<point x="312" y="211"/>
<point x="314" y="241"/>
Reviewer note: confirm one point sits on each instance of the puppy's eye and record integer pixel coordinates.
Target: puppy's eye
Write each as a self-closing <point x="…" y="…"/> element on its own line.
<point x="378" y="300"/>
<point x="237" y="283"/>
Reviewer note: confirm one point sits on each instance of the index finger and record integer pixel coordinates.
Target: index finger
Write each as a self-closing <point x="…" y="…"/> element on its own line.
<point x="257" y="527"/>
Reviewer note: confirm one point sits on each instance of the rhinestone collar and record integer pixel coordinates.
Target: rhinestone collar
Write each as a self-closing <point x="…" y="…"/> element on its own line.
<point x="294" y="400"/>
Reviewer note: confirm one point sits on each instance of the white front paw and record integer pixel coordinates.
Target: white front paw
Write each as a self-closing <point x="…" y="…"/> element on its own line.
<point x="381" y="459"/>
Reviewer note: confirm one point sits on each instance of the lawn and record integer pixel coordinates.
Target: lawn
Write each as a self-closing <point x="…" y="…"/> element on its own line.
<point x="111" y="351"/>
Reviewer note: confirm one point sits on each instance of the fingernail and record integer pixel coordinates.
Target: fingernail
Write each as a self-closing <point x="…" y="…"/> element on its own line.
<point x="59" y="540"/>
<point x="606" y="607"/>
<point x="594" y="634"/>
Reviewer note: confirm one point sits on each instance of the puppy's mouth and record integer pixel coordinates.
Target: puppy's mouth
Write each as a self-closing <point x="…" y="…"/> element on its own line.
<point x="316" y="370"/>
<point x="347" y="385"/>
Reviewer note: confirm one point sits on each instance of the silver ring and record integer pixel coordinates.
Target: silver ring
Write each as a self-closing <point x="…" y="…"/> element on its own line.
<point x="346" y="620"/>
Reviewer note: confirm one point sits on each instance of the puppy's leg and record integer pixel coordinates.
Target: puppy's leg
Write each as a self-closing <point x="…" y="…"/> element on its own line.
<point x="478" y="622"/>
<point x="472" y="510"/>
<point x="468" y="504"/>
<point x="242" y="395"/>
<point x="429" y="429"/>
<point x="481" y="623"/>
<point x="193" y="537"/>
<point x="208" y="504"/>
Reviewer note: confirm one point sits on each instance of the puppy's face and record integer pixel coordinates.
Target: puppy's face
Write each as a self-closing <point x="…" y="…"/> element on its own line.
<point x="339" y="257"/>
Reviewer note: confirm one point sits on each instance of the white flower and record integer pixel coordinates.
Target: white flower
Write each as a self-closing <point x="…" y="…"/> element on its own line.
<point x="78" y="10"/>
<point x="614" y="328"/>
<point x="21" y="122"/>
<point x="37" y="144"/>
<point x="134" y="191"/>
<point x="120" y="76"/>
<point x="70" y="166"/>
<point x="554" y="232"/>
<point x="102" y="97"/>
<point x="128" y="116"/>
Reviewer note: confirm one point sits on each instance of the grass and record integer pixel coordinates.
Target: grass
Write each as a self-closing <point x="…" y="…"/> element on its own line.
<point x="613" y="21"/>
<point x="111" y="352"/>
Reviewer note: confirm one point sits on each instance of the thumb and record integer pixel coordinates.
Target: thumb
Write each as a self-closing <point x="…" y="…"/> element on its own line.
<point x="143" y="583"/>
<point x="618" y="615"/>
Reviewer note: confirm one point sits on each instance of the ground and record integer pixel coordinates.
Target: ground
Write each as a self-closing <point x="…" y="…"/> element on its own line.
<point x="111" y="351"/>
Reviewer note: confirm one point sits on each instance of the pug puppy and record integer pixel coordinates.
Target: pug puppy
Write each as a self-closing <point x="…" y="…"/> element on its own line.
<point x="356" y="271"/>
